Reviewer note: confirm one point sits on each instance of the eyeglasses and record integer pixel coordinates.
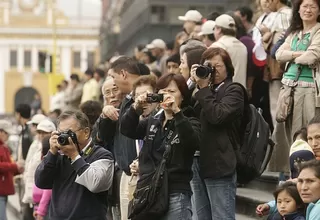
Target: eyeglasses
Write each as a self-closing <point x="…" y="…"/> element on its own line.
<point x="111" y="92"/>
<point x="71" y="130"/>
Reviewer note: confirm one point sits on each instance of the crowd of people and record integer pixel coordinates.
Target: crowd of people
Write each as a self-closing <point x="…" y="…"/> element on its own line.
<point x="156" y="135"/>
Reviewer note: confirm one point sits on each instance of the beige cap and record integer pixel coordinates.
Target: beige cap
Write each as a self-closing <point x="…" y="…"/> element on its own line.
<point x="6" y="126"/>
<point x="191" y="15"/>
<point x="46" y="126"/>
<point x="36" y="119"/>
<point x="157" y="43"/>
<point x="225" y="21"/>
<point x="207" y="28"/>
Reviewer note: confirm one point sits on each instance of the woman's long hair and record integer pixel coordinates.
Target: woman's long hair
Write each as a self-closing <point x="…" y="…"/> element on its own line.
<point x="296" y="21"/>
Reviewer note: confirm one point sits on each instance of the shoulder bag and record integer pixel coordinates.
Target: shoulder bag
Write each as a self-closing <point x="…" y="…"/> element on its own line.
<point x="151" y="197"/>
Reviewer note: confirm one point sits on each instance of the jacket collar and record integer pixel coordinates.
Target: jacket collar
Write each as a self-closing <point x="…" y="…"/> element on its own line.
<point x="292" y="216"/>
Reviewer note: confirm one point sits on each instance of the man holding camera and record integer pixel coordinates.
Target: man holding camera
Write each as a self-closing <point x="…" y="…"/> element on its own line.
<point x="78" y="172"/>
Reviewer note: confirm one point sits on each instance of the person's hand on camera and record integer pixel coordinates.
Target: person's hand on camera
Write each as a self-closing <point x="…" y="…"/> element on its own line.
<point x="169" y="103"/>
<point x="111" y="112"/>
<point x="262" y="210"/>
<point x="70" y="150"/>
<point x="140" y="101"/>
<point x="202" y="83"/>
<point x="54" y="145"/>
<point x="134" y="167"/>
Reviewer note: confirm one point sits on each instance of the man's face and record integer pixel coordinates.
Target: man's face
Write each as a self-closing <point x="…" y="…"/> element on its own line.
<point x="120" y="80"/>
<point x="173" y="67"/>
<point x="147" y="107"/>
<point x="33" y="129"/>
<point x="111" y="93"/>
<point x="73" y="83"/>
<point x="238" y="14"/>
<point x="83" y="134"/>
<point x="17" y="117"/>
<point x="188" y="26"/>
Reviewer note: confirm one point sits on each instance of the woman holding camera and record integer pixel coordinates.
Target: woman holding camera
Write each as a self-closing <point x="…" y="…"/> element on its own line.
<point x="222" y="106"/>
<point x="174" y="126"/>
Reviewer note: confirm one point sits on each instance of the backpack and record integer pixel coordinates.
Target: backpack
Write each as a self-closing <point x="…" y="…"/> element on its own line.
<point x="255" y="150"/>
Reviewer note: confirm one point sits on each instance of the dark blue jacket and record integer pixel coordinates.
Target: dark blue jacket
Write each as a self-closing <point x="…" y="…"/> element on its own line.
<point x="122" y="147"/>
<point x="292" y="216"/>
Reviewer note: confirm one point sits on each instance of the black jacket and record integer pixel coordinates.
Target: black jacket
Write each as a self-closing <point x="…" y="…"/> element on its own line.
<point x="79" y="190"/>
<point x="122" y="147"/>
<point x="187" y="130"/>
<point x="291" y="216"/>
<point x="218" y="120"/>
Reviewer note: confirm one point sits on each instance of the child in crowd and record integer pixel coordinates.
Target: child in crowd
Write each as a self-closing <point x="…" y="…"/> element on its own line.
<point x="41" y="198"/>
<point x="289" y="204"/>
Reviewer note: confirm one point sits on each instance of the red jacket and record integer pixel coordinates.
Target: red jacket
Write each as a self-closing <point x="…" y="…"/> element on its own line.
<point x="7" y="171"/>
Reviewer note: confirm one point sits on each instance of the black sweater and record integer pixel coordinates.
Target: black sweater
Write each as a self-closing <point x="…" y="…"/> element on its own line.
<point x="79" y="190"/>
<point x="218" y="119"/>
<point x="184" y="145"/>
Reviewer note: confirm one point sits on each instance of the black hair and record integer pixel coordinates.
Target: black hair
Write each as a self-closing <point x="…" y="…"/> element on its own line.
<point x="175" y="58"/>
<point x="302" y="132"/>
<point x="170" y="45"/>
<point x="75" y="76"/>
<point x="311" y="164"/>
<point x="144" y="70"/>
<point x="24" y="110"/>
<point x="140" y="47"/>
<point x="125" y="63"/>
<point x="149" y="54"/>
<point x="211" y="37"/>
<point x="246" y="11"/>
<point x="89" y="72"/>
<point x="291" y="189"/>
<point x="100" y="72"/>
<point x="296" y="21"/>
<point x="45" y="145"/>
<point x="314" y="120"/>
<point x="213" y="15"/>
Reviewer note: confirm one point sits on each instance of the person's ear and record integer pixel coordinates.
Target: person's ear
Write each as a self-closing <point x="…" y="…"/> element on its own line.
<point x="87" y="133"/>
<point x="124" y="74"/>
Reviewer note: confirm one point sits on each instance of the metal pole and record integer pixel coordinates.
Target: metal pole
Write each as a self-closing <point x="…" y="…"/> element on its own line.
<point x="54" y="37"/>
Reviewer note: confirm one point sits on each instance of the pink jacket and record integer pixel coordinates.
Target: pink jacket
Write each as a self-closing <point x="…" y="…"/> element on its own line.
<point x="41" y="197"/>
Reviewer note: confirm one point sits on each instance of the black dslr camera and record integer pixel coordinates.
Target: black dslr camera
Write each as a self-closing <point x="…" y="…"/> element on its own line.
<point x="203" y="71"/>
<point x="154" y="98"/>
<point x="64" y="136"/>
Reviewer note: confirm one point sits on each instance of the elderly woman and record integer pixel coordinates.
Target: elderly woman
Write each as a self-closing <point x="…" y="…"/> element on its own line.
<point x="301" y="52"/>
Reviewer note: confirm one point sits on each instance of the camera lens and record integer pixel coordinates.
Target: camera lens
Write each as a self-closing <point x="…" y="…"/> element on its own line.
<point x="63" y="139"/>
<point x="203" y="71"/>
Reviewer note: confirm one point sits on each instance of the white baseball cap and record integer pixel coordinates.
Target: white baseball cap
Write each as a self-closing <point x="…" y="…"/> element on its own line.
<point x="6" y="126"/>
<point x="46" y="126"/>
<point x="36" y="119"/>
<point x="191" y="15"/>
<point x="225" y="21"/>
<point x="207" y="28"/>
<point x="157" y="43"/>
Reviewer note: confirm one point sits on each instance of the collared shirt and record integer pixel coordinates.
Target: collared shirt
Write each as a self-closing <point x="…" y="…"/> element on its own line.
<point x="83" y="151"/>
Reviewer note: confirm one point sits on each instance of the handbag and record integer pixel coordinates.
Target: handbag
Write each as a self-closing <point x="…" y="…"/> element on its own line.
<point x="151" y="197"/>
<point x="286" y="100"/>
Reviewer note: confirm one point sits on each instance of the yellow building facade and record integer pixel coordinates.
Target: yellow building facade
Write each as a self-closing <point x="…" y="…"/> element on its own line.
<point x="32" y="32"/>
